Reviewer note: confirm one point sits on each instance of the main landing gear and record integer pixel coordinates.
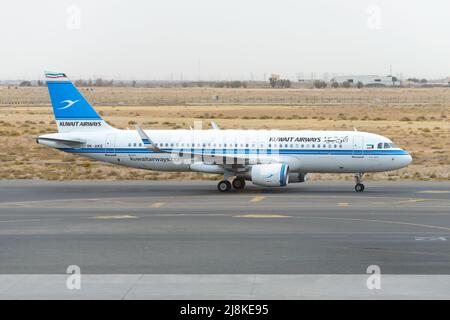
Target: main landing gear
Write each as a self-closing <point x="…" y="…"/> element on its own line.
<point x="359" y="187"/>
<point x="238" y="183"/>
<point x="225" y="185"/>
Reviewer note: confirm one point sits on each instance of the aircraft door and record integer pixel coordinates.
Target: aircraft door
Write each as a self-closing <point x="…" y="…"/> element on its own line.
<point x="358" y="147"/>
<point x="110" y="144"/>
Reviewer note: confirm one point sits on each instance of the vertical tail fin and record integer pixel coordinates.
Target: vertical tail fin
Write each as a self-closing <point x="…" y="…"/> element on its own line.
<point x="72" y="111"/>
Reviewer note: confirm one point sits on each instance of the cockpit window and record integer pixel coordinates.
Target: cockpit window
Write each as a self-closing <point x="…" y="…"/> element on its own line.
<point x="386" y="145"/>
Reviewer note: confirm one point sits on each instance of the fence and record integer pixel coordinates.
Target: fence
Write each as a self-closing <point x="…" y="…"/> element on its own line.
<point x="155" y="100"/>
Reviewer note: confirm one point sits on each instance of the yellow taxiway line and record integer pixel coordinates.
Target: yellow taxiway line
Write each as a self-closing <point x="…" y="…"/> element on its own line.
<point x="257" y="199"/>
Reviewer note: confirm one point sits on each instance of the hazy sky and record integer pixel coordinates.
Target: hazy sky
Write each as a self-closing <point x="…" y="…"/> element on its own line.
<point x="232" y="39"/>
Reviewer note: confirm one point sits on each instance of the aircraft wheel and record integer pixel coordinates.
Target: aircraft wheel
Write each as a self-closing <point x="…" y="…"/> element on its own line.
<point x="224" y="186"/>
<point x="238" y="183"/>
<point x="359" y="187"/>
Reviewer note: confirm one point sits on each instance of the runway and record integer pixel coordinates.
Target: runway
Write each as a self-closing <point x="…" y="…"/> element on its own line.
<point x="155" y="227"/>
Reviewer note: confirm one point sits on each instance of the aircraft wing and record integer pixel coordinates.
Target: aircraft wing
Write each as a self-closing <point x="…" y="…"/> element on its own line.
<point x="222" y="158"/>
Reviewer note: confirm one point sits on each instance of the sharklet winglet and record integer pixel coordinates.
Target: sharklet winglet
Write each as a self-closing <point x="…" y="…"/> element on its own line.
<point x="214" y="125"/>
<point x="148" y="143"/>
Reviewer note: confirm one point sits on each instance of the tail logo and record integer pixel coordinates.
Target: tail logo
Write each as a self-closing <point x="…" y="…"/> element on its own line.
<point x="68" y="105"/>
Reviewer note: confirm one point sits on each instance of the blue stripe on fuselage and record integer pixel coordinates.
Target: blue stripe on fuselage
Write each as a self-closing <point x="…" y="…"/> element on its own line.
<point x="240" y="151"/>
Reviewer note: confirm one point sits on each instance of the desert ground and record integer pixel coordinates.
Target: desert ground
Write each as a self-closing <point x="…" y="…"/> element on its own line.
<point x="415" y="119"/>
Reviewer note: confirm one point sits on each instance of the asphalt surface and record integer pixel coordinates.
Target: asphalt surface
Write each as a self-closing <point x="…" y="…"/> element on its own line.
<point x="150" y="227"/>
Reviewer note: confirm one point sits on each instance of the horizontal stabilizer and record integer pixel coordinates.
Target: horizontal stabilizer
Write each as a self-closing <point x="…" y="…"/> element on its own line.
<point x="60" y="143"/>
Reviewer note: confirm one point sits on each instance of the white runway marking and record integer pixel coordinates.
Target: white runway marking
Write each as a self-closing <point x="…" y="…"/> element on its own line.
<point x="114" y="217"/>
<point x="263" y="216"/>
<point x="381" y="221"/>
<point x="430" y="238"/>
<point x="434" y="191"/>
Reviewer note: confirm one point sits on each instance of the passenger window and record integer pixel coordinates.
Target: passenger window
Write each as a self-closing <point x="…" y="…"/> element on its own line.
<point x="134" y="144"/>
<point x="312" y="146"/>
<point x="386" y="145"/>
<point x="129" y="144"/>
<point x="380" y="145"/>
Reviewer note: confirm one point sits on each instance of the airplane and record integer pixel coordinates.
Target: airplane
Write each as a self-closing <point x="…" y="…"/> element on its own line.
<point x="267" y="158"/>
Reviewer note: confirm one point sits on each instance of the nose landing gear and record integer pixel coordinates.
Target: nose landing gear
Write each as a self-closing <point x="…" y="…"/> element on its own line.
<point x="359" y="187"/>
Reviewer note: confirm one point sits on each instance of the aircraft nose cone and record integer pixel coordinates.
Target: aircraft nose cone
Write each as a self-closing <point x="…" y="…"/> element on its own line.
<point x="408" y="159"/>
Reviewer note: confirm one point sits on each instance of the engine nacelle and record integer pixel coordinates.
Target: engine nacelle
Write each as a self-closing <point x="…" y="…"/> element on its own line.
<point x="297" y="177"/>
<point x="270" y="175"/>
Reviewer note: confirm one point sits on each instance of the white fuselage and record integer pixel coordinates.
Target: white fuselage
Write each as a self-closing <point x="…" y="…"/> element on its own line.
<point x="304" y="151"/>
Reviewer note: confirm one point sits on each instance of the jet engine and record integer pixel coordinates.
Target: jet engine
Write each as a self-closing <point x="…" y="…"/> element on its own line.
<point x="270" y="175"/>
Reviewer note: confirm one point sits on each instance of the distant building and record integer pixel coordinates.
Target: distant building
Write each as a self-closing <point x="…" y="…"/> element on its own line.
<point x="368" y="80"/>
<point x="426" y="83"/>
<point x="438" y="83"/>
